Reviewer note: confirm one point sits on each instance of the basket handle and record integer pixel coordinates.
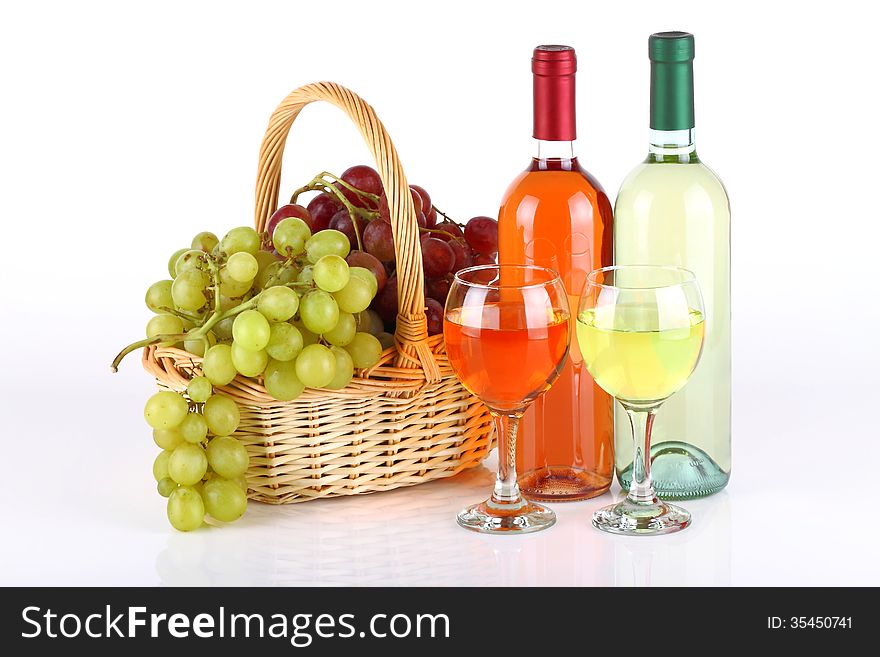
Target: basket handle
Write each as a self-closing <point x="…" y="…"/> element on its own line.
<point x="412" y="329"/>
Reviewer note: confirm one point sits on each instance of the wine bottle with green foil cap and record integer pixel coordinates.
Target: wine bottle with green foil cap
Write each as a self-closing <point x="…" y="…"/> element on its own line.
<point x="673" y="210"/>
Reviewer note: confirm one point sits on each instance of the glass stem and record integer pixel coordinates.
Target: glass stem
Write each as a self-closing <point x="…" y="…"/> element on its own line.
<point x="506" y="488"/>
<point x="641" y="490"/>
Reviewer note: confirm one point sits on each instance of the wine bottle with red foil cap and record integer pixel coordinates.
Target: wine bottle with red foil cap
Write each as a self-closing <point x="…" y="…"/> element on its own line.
<point x="557" y="215"/>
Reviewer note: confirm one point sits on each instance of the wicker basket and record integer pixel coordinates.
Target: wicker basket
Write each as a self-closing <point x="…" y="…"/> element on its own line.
<point x="405" y="421"/>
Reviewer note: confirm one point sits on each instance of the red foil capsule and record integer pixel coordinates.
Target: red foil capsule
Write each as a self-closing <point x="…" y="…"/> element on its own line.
<point x="553" y="69"/>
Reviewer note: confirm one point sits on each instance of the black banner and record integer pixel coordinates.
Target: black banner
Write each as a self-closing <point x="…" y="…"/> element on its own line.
<point x="328" y="621"/>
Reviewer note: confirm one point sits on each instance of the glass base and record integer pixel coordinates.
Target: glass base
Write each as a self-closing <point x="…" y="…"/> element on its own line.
<point x="561" y="484"/>
<point x="493" y="517"/>
<point x="680" y="471"/>
<point x="645" y="519"/>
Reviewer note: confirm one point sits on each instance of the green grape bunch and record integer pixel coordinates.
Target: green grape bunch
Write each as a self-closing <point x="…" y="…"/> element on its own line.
<point x="294" y="307"/>
<point x="271" y="315"/>
<point x="201" y="468"/>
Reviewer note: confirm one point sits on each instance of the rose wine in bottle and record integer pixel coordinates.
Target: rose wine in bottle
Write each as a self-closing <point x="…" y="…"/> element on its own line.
<point x="556" y="215"/>
<point x="673" y="210"/>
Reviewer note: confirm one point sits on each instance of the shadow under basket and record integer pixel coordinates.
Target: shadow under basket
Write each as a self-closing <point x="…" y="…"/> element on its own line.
<point x="405" y="421"/>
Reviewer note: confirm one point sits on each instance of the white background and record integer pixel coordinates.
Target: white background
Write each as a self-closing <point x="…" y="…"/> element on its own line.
<point x="125" y="129"/>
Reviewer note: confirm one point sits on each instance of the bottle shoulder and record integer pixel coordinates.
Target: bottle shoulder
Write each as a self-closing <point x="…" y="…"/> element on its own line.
<point x="669" y="192"/>
<point x="661" y="173"/>
<point x="540" y="182"/>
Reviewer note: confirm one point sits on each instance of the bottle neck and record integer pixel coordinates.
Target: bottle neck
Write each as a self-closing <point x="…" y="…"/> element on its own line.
<point x="672" y="112"/>
<point x="554" y="155"/>
<point x="672" y="146"/>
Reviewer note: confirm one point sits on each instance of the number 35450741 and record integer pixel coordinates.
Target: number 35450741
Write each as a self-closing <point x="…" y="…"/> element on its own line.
<point x="810" y="622"/>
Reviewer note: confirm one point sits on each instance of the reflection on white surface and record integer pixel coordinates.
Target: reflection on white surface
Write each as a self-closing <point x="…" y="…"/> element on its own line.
<point x="697" y="556"/>
<point x="409" y="537"/>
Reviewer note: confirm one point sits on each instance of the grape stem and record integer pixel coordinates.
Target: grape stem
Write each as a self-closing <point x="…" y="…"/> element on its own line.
<point x="446" y="216"/>
<point x="319" y="184"/>
<point x="199" y="332"/>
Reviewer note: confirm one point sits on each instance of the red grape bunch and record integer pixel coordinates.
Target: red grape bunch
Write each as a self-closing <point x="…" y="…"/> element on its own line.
<point x="355" y="204"/>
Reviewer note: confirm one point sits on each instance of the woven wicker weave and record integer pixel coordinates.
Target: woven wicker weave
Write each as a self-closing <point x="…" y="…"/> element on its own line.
<point x="405" y="421"/>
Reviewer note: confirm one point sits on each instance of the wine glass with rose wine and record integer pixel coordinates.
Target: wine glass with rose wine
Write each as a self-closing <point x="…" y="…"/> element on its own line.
<point x="507" y="335"/>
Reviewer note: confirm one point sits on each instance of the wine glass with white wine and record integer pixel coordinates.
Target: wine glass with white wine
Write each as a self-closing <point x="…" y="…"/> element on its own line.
<point x="640" y="329"/>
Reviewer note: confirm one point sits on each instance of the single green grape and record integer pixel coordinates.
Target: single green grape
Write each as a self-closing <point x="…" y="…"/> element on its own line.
<point x="367" y="277"/>
<point x="278" y="304"/>
<point x="165" y="410"/>
<point x="172" y="262"/>
<point x="319" y="311"/>
<point x="187" y="464"/>
<point x="223" y="328"/>
<point x="167" y="438"/>
<point x="218" y="366"/>
<point x="193" y="259"/>
<point x="265" y="258"/>
<point x="344" y="369"/>
<point x="306" y="275"/>
<point x="227" y="457"/>
<point x="369" y="321"/>
<point x="243" y="267"/>
<point x="166" y="486"/>
<point x="365" y="350"/>
<point x="199" y="389"/>
<point x="241" y="239"/>
<point x="343" y="333"/>
<point x="224" y="499"/>
<point x="285" y="341"/>
<point x="355" y="296"/>
<point x="331" y="273"/>
<point x="307" y="336"/>
<point x="290" y="235"/>
<point x="315" y="366"/>
<point x="164" y="324"/>
<point x="229" y="286"/>
<point x="281" y="380"/>
<point x="158" y="296"/>
<point x="222" y="415"/>
<point x="327" y="242"/>
<point x="251" y="330"/>
<point x="194" y="428"/>
<point x="385" y="339"/>
<point x="247" y="362"/>
<point x="205" y="241"/>
<point x="197" y="345"/>
<point x="186" y="510"/>
<point x="188" y="290"/>
<point x="160" y="465"/>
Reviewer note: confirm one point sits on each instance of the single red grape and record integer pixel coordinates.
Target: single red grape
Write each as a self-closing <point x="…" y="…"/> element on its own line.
<point x="438" y="288"/>
<point x="464" y="257"/>
<point x="364" y="178"/>
<point x="437" y="257"/>
<point x="450" y="227"/>
<point x="379" y="240"/>
<point x="482" y="234"/>
<point x="423" y="197"/>
<point x="385" y="304"/>
<point x="434" y="315"/>
<point x="285" y="211"/>
<point x="431" y="218"/>
<point x="482" y="259"/>
<point x="322" y="208"/>
<point x="365" y="260"/>
<point x="342" y="222"/>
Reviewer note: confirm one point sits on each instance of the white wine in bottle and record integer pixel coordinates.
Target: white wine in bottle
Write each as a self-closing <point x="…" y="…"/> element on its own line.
<point x="673" y="210"/>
